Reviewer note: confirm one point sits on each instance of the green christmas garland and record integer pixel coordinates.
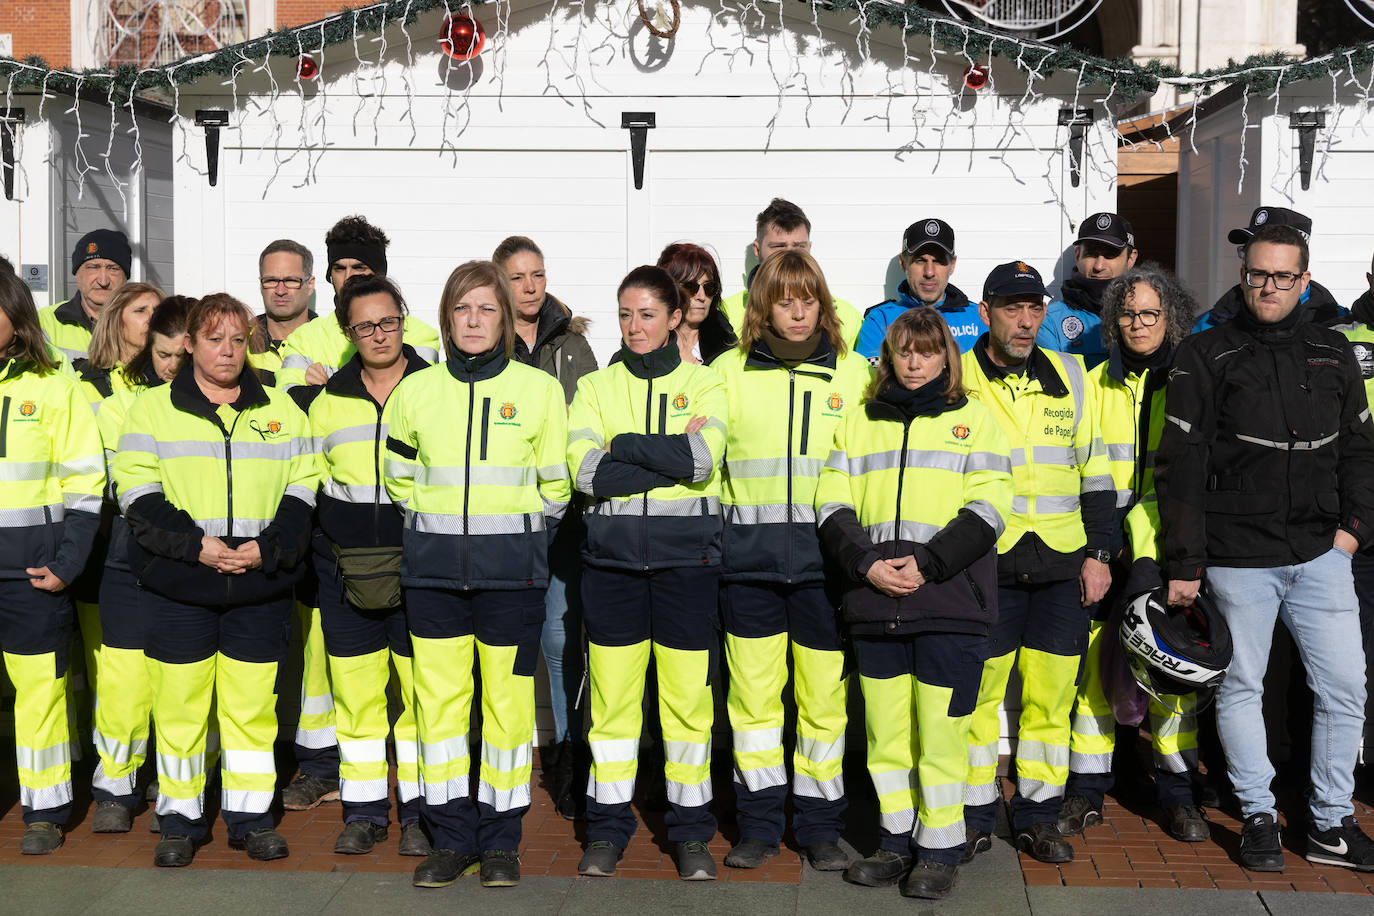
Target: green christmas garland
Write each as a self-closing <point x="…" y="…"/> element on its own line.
<point x="1263" y="72"/>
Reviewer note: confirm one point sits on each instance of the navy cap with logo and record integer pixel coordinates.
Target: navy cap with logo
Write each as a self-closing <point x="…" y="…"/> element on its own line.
<point x="110" y="244"/>
<point x="1016" y="278"/>
<point x="1109" y="228"/>
<point x="930" y="231"/>
<point x="1271" y="216"/>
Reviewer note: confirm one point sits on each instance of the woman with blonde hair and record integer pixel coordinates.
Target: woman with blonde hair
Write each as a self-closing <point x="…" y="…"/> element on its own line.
<point x="120" y="332"/>
<point x="790" y="383"/>
<point x="475" y="459"/>
<point x="910" y="505"/>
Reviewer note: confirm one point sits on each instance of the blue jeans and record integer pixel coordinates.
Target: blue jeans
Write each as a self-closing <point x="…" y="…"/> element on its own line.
<point x="1316" y="602"/>
<point x="562" y="656"/>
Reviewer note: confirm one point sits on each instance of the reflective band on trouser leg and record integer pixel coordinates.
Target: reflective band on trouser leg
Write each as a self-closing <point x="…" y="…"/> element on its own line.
<point x="1093" y="738"/>
<point x="507" y="731"/>
<point x="182" y="699"/>
<point x="889" y="715"/>
<point x="758" y="673"/>
<point x="443" y="710"/>
<point x="942" y="767"/>
<point x="361" y="724"/>
<point x="121" y="721"/>
<point x="315" y="730"/>
<point x="1042" y="747"/>
<point x="406" y="735"/>
<point x="245" y="692"/>
<point x="686" y="711"/>
<point x="617" y="694"/>
<point x="985" y="731"/>
<point x="41" y="738"/>
<point x="820" y="689"/>
<point x="1174" y="733"/>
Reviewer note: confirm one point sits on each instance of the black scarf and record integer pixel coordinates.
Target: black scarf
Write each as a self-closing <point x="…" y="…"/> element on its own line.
<point x="477" y="368"/>
<point x="1139" y="365"/>
<point x="1248" y="323"/>
<point x="655" y="363"/>
<point x="1085" y="293"/>
<point x="926" y="401"/>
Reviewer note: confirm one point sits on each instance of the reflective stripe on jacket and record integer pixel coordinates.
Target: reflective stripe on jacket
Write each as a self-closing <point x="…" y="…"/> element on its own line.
<point x="782" y="421"/>
<point x="475" y="458"/>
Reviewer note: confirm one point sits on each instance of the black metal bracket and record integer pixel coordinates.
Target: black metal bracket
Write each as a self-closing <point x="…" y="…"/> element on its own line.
<point x="638" y="124"/>
<point x="1306" y="123"/>
<point x="1077" y="120"/>
<point x="9" y="121"/>
<point x="212" y="119"/>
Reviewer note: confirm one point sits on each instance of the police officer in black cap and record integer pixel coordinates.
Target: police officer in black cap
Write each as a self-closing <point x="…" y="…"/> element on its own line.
<point x="1105" y="250"/>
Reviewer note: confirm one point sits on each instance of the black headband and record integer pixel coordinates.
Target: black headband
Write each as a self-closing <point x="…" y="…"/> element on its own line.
<point x="373" y="256"/>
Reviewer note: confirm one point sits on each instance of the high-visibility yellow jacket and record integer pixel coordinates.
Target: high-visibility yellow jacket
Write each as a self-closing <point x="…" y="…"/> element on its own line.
<point x="933" y="482"/>
<point x="68" y="327"/>
<point x="51" y="473"/>
<point x="1063" y="490"/>
<point x="656" y="488"/>
<point x="109" y="418"/>
<point x="322" y="341"/>
<point x="1131" y="420"/>
<point x="355" y="509"/>
<point x="475" y="459"/>
<point x="851" y="319"/>
<point x="99" y="384"/>
<point x="244" y="471"/>
<point x="782" y="421"/>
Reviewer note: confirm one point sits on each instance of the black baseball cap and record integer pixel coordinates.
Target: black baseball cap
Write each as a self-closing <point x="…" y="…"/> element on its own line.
<point x="1108" y="228"/>
<point x="1016" y="278"/>
<point x="1271" y="216"/>
<point x="930" y="231"/>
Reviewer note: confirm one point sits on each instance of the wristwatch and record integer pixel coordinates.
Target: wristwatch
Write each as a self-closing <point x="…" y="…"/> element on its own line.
<point x="1100" y="555"/>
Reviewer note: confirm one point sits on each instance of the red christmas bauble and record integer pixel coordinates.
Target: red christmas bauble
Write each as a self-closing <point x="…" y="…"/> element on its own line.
<point x="461" y="37"/>
<point x="976" y="77"/>
<point x="306" y="68"/>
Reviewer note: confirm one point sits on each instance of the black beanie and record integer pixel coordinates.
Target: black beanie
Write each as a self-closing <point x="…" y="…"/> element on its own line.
<point x="374" y="256"/>
<point x="110" y="244"/>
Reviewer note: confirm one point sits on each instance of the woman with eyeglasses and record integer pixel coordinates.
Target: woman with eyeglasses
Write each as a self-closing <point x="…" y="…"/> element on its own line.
<point x="791" y="383"/>
<point x="475" y="457"/>
<point x="1146" y="312"/>
<point x="705" y="332"/>
<point x="549" y="337"/>
<point x="357" y="555"/>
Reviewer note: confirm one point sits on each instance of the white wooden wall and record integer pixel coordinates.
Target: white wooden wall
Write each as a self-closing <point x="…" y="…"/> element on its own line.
<point x="529" y="162"/>
<point x="1215" y="196"/>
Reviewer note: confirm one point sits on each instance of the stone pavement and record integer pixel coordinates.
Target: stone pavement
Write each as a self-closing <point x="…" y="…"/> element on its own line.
<point x="1127" y="865"/>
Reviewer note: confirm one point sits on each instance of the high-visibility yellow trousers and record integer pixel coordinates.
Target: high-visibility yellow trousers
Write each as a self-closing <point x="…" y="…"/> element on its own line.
<point x="222" y="661"/>
<point x="671" y="613"/>
<point x="762" y="621"/>
<point x="124" y="704"/>
<point x="447" y="627"/>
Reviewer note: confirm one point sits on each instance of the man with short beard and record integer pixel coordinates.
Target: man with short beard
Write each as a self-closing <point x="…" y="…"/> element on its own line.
<point x="1051" y="563"/>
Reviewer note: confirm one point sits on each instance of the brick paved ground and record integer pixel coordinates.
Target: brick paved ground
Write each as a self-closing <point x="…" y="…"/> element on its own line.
<point x="1129" y="850"/>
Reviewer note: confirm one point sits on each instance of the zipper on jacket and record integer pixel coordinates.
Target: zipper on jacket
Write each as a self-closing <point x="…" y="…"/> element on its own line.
<point x="377" y="479"/>
<point x="897" y="515"/>
<point x="644" y="516"/>
<point x="806" y="421"/>
<point x="4" y="426"/>
<point x="486" y="417"/>
<point x="467" y="476"/>
<point x="229" y="487"/>
<point x="791" y="412"/>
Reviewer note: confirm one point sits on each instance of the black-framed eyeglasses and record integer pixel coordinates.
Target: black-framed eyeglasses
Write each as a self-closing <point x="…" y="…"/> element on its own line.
<point x="1283" y="280"/>
<point x="693" y="287"/>
<point x="288" y="282"/>
<point x="1148" y="318"/>
<point x="367" y="328"/>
